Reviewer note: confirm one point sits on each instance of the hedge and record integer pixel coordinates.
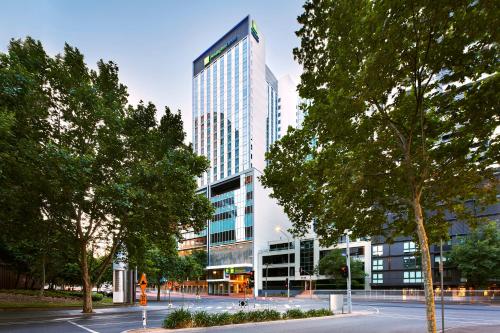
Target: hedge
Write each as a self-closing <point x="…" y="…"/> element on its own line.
<point x="182" y="318"/>
<point x="53" y="293"/>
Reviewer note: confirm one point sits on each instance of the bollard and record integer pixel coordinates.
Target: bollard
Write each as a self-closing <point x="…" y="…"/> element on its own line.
<point x="144" y="318"/>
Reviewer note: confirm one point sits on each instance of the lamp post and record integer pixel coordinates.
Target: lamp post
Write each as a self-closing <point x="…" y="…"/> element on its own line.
<point x="267" y="267"/>
<point x="278" y="229"/>
<point x="442" y="284"/>
<point x="348" y="256"/>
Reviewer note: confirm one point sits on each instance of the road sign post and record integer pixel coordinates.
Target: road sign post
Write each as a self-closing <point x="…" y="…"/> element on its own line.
<point x="143" y="284"/>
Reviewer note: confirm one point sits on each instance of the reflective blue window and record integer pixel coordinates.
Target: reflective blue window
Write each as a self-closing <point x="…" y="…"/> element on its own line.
<point x="236" y="109"/>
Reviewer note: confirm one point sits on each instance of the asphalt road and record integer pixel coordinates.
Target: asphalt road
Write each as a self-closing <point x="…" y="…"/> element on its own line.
<point x="371" y="317"/>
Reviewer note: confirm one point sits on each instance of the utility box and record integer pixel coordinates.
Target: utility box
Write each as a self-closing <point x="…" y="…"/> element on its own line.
<point x="337" y="303"/>
<point x="123" y="281"/>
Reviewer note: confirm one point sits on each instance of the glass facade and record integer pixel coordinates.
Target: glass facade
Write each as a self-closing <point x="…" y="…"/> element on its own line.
<point x="306" y="257"/>
<point x="221" y="113"/>
<point x="233" y="218"/>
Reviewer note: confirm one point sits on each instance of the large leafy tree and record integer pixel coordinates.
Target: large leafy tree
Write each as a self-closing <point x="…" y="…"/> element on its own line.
<point x="77" y="162"/>
<point x="159" y="261"/>
<point x="478" y="257"/>
<point x="332" y="263"/>
<point x="402" y="110"/>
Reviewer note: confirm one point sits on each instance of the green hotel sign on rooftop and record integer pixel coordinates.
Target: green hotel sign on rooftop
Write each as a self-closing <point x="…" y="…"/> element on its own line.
<point x="255" y="32"/>
<point x="208" y="59"/>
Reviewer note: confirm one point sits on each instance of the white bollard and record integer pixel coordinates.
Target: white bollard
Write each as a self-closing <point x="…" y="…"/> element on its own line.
<point x="144" y="318"/>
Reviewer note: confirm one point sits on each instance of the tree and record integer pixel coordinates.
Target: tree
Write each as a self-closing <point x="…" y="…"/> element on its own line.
<point x="478" y="257"/>
<point x="332" y="263"/>
<point x="160" y="262"/>
<point x="402" y="109"/>
<point x="96" y="171"/>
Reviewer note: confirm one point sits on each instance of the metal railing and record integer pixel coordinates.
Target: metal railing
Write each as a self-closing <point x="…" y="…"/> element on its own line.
<point x="463" y="296"/>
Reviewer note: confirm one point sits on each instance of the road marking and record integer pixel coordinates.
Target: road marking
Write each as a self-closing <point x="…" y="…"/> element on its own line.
<point x="82" y="327"/>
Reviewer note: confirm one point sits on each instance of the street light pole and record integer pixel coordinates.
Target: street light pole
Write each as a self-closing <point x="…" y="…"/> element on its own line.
<point x="348" y="252"/>
<point x="267" y="273"/>
<point x="442" y="284"/>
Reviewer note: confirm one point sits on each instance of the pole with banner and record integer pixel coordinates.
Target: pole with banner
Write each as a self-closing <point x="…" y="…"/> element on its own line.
<point x="143" y="284"/>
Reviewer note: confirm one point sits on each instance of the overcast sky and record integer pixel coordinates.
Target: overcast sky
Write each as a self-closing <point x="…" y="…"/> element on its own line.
<point x="153" y="42"/>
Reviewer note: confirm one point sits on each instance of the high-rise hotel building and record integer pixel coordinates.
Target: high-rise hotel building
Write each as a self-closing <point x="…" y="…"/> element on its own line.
<point x="235" y="119"/>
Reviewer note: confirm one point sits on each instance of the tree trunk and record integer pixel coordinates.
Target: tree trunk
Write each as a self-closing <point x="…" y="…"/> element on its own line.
<point x="426" y="266"/>
<point x="87" y="285"/>
<point x="42" y="288"/>
<point x="18" y="277"/>
<point x="158" y="294"/>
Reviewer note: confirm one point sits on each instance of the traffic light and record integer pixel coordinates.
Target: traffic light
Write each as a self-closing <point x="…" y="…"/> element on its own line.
<point x="344" y="271"/>
<point x="251" y="279"/>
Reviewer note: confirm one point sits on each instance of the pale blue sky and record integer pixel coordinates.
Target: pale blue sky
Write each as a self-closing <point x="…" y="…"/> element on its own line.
<point x="153" y="42"/>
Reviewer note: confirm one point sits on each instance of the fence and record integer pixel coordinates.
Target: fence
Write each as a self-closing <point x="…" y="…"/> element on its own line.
<point x="461" y="296"/>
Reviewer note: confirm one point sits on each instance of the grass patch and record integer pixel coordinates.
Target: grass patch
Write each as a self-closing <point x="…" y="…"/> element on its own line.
<point x="182" y="318"/>
<point x="52" y="299"/>
<point x="96" y="297"/>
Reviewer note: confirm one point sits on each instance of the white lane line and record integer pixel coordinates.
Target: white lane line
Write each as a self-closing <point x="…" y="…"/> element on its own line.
<point x="82" y="327"/>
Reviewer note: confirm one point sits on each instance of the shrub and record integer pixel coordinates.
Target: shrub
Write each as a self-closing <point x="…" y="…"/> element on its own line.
<point x="239" y="317"/>
<point x="222" y="318"/>
<point x="271" y="314"/>
<point x="318" y="313"/>
<point x="263" y="315"/>
<point x="202" y="319"/>
<point x="96" y="297"/>
<point x="183" y="318"/>
<point x="294" y="314"/>
<point x="179" y="318"/>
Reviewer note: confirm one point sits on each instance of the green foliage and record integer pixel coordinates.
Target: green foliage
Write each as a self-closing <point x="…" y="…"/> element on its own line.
<point x="294" y="314"/>
<point x="401" y="111"/>
<point x="331" y="263"/>
<point x="202" y="318"/>
<point x="220" y="319"/>
<point x="240" y="317"/>
<point x="183" y="318"/>
<point x="179" y="318"/>
<point x="263" y="315"/>
<point x="318" y="313"/>
<point x="54" y="293"/>
<point x="80" y="168"/>
<point x="478" y="257"/>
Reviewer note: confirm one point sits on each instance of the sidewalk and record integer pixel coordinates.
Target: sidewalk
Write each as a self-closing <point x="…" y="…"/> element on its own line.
<point x="44" y="314"/>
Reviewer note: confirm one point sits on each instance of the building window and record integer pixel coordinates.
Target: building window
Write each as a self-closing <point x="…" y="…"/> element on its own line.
<point x="412" y="277"/>
<point x="278" y="259"/>
<point x="378" y="264"/>
<point x="306" y="257"/>
<point x="438" y="258"/>
<point x="280" y="246"/>
<point x="411" y="262"/>
<point x="409" y="247"/>
<point x="378" y="278"/>
<point x="377" y="250"/>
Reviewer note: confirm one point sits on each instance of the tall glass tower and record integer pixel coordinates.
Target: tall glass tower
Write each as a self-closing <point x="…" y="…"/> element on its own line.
<point x="234" y="101"/>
